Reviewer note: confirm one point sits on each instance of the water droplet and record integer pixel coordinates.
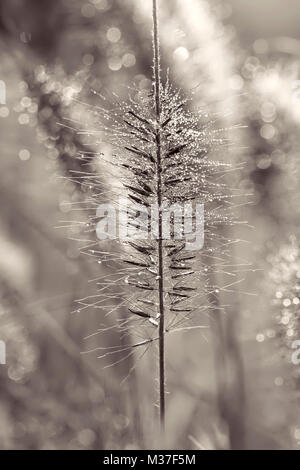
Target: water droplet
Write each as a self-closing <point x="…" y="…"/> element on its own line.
<point x="4" y="111"/>
<point x="23" y="119"/>
<point x="267" y="131"/>
<point x="260" y="337"/>
<point x="278" y="381"/>
<point x="181" y="53"/>
<point x="113" y="34"/>
<point x="114" y="63"/>
<point x="129" y="60"/>
<point x="24" y="154"/>
<point x="26" y="101"/>
<point x="86" y="437"/>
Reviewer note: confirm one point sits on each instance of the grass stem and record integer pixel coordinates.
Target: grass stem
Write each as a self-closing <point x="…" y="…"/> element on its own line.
<point x="156" y="60"/>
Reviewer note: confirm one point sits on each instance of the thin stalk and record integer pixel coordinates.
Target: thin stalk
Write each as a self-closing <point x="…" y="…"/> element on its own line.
<point x="156" y="63"/>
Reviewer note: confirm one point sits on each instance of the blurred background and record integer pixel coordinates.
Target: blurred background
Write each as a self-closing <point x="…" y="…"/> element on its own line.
<point x="234" y="387"/>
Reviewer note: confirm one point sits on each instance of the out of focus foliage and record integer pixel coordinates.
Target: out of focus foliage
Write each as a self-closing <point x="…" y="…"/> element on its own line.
<point x="52" y="54"/>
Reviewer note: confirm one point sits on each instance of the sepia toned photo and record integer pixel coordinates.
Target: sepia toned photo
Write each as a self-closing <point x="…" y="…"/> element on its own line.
<point x="149" y="228"/>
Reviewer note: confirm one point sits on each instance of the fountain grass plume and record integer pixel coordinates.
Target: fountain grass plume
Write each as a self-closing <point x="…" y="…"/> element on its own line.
<point x="159" y="153"/>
